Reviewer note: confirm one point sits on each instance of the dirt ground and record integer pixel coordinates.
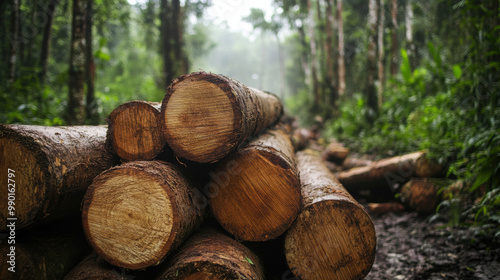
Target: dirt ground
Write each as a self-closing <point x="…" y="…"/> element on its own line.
<point x="409" y="247"/>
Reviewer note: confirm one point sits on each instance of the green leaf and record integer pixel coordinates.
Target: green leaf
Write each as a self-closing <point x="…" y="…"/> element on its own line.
<point x="457" y="71"/>
<point x="101" y="55"/>
<point x="482" y="178"/>
<point x="405" y="66"/>
<point x="249" y="260"/>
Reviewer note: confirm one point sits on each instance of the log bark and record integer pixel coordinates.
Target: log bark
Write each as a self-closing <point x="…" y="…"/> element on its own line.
<point x="94" y="267"/>
<point x="45" y="253"/>
<point x="136" y="213"/>
<point x="389" y="172"/>
<point x="205" y="116"/>
<point x="52" y="168"/>
<point x="255" y="193"/>
<point x="135" y="131"/>
<point x="211" y="255"/>
<point x="333" y="236"/>
<point x="421" y="195"/>
<point x="336" y="153"/>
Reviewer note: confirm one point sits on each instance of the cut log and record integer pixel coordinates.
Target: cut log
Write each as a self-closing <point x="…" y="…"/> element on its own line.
<point x="352" y="162"/>
<point x="333" y="236"/>
<point x="211" y="255"/>
<point x="421" y="195"/>
<point x="94" y="267"/>
<point x="255" y="192"/>
<point x="389" y="172"/>
<point x="136" y="213"/>
<point x="135" y="131"/>
<point x="205" y="116"/>
<point x="384" y="208"/>
<point x="335" y="152"/>
<point x="48" y="170"/>
<point x="44" y="253"/>
<point x="301" y="138"/>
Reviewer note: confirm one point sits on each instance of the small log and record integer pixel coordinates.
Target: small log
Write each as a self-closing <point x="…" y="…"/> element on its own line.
<point x="205" y="116"/>
<point x="48" y="170"/>
<point x="384" y="208"/>
<point x="335" y="152"/>
<point x="301" y="138"/>
<point x="352" y="162"/>
<point x="135" y="131"/>
<point x="136" y="213"/>
<point x="211" y="255"/>
<point x="44" y="253"/>
<point x="421" y="195"/>
<point x="389" y="172"/>
<point x="255" y="192"/>
<point x="333" y="236"/>
<point x="94" y="267"/>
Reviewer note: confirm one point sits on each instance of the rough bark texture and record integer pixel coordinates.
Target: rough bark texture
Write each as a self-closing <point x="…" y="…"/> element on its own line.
<point x="136" y="213"/>
<point x="421" y="194"/>
<point x="46" y="253"/>
<point x="211" y="255"/>
<point x="94" y="267"/>
<point x="333" y="237"/>
<point x="75" y="113"/>
<point x="205" y="116"/>
<point x="135" y="131"/>
<point x="389" y="172"/>
<point x="53" y="166"/>
<point x="255" y="193"/>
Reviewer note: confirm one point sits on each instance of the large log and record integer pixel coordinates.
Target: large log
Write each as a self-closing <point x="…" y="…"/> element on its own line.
<point x="206" y="116"/>
<point x="211" y="255"/>
<point x="255" y="192"/>
<point x="48" y="170"/>
<point x="44" y="253"/>
<point x="94" y="267"/>
<point x="389" y="172"/>
<point x="333" y="236"/>
<point x="136" y="213"/>
<point x="135" y="131"/>
<point x="421" y="194"/>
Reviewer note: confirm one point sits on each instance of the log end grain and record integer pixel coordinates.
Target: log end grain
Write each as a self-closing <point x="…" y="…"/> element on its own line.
<point x="201" y="117"/>
<point x="259" y="196"/>
<point x="135" y="131"/>
<point x="134" y="214"/>
<point x="331" y="239"/>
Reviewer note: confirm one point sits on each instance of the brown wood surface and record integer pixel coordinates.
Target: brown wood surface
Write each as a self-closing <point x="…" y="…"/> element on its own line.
<point x="205" y="116"/>
<point x="333" y="236"/>
<point x="136" y="213"/>
<point x="388" y="172"/>
<point x="421" y="195"/>
<point x="53" y="168"/>
<point x="94" y="267"/>
<point x="135" y="131"/>
<point x="210" y="254"/>
<point x="255" y="193"/>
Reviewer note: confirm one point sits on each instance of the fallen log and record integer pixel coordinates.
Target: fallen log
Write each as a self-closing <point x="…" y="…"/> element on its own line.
<point x="389" y="172"/>
<point x="44" y="253"/>
<point x="94" y="267"/>
<point x="421" y="195"/>
<point x="255" y="192"/>
<point x="136" y="213"/>
<point x="335" y="152"/>
<point x="47" y="170"/>
<point x="384" y="208"/>
<point x="333" y="236"/>
<point x="205" y="116"/>
<point x="209" y="254"/>
<point x="135" y="131"/>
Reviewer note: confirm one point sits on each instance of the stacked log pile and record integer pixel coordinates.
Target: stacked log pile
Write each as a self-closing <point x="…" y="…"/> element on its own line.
<point x="232" y="179"/>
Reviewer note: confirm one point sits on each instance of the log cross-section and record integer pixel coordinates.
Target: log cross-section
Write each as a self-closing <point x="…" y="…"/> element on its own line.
<point x="205" y="116"/>
<point x="333" y="236"/>
<point x="136" y="213"/>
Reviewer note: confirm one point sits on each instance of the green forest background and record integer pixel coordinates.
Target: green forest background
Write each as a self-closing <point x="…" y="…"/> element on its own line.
<point x="383" y="76"/>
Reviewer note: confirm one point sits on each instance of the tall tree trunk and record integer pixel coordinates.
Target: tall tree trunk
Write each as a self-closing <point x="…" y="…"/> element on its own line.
<point x="14" y="36"/>
<point x="341" y="50"/>
<point x="168" y="74"/>
<point x="394" y="40"/>
<point x="370" y="89"/>
<point x="303" y="55"/>
<point x="330" y="55"/>
<point x="409" y="17"/>
<point x="312" y="45"/>
<point x="47" y="32"/>
<point x="178" y="42"/>
<point x="380" y="57"/>
<point x="75" y="113"/>
<point x="91" y="107"/>
<point x="282" y="67"/>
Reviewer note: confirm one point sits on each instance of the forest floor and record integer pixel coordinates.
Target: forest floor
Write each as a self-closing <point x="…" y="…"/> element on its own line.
<point x="410" y="247"/>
